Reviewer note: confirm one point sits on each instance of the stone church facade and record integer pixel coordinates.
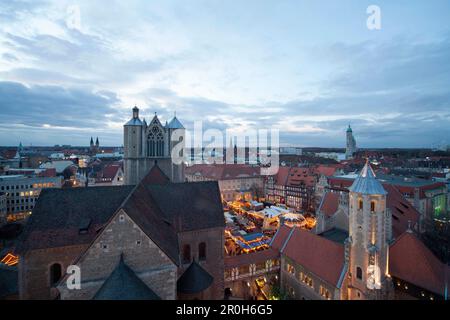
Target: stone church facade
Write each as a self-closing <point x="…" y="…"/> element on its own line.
<point x="147" y="144"/>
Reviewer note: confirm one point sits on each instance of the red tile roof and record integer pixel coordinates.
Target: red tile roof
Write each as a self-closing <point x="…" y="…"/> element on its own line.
<point x="340" y="182"/>
<point x="325" y="170"/>
<point x="317" y="254"/>
<point x="110" y="171"/>
<point x="330" y="203"/>
<point x="295" y="176"/>
<point x="155" y="176"/>
<point x="48" y="173"/>
<point x="402" y="211"/>
<point x="411" y="261"/>
<point x="280" y="237"/>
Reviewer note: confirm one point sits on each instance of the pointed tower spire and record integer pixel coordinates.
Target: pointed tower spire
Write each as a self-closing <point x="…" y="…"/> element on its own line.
<point x="367" y="183"/>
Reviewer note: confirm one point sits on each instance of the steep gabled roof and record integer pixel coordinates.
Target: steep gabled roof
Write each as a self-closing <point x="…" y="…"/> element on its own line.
<point x="194" y="280"/>
<point x="402" y="211"/>
<point x="155" y="176"/>
<point x="329" y="204"/>
<point x="411" y="261"/>
<point x="280" y="237"/>
<point x="124" y="284"/>
<point x="317" y="254"/>
<point x="56" y="218"/>
<point x="190" y="205"/>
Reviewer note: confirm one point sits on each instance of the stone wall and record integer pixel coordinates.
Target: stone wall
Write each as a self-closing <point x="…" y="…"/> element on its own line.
<point x="214" y="263"/>
<point x="141" y="254"/>
<point x="34" y="269"/>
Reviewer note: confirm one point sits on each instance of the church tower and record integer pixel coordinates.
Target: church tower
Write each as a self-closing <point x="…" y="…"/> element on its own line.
<point x="369" y="232"/>
<point x="351" y="144"/>
<point x="149" y="145"/>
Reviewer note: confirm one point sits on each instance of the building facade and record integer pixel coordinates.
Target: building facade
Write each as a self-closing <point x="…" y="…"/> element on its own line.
<point x="293" y="187"/>
<point x="2" y="208"/>
<point x="236" y="181"/>
<point x="145" y="145"/>
<point x="22" y="193"/>
<point x="351" y="144"/>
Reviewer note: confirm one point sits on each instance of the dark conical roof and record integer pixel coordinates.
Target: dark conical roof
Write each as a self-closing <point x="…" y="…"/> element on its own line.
<point x="194" y="280"/>
<point x="124" y="284"/>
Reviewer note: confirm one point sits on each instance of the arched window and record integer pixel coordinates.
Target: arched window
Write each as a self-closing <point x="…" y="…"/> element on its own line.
<point x="202" y="251"/>
<point x="360" y="204"/>
<point x="359" y="273"/>
<point x="186" y="253"/>
<point x="55" y="273"/>
<point x="155" y="143"/>
<point x="372" y="206"/>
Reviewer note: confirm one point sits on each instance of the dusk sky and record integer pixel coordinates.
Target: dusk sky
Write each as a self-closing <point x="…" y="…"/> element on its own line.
<point x="308" y="68"/>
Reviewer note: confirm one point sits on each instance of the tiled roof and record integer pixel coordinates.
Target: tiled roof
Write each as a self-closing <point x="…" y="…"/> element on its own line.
<point x="329" y="204"/>
<point x="402" y="211"/>
<point x="155" y="176"/>
<point x="124" y="284"/>
<point x="56" y="218"/>
<point x="110" y="171"/>
<point x="194" y="280"/>
<point x="366" y="182"/>
<point x="190" y="205"/>
<point x="325" y="170"/>
<point x="280" y="237"/>
<point x="317" y="254"/>
<point x="411" y="261"/>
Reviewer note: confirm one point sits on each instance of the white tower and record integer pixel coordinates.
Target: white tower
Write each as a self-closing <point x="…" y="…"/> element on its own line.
<point x="351" y="144"/>
<point x="369" y="232"/>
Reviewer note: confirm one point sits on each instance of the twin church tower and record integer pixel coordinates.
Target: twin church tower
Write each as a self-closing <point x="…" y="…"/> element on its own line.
<point x="147" y="145"/>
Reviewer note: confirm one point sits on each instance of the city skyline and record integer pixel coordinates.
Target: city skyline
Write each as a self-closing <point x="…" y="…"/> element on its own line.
<point x="71" y="70"/>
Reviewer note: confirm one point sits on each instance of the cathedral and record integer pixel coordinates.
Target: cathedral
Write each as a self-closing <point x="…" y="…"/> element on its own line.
<point x="148" y="144"/>
<point x="351" y="144"/>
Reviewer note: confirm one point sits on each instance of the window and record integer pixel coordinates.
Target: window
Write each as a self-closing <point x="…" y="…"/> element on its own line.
<point x="359" y="273"/>
<point x="186" y="253"/>
<point x="324" y="292"/>
<point x="121" y="218"/>
<point x="360" y="204"/>
<point x="372" y="206"/>
<point x="55" y="273"/>
<point x="155" y="144"/>
<point x="290" y="268"/>
<point x="202" y="251"/>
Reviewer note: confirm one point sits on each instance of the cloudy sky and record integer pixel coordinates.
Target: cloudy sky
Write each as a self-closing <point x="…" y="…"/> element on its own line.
<point x="74" y="69"/>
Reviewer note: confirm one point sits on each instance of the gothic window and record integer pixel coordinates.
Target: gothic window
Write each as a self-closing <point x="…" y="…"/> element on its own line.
<point x="55" y="273"/>
<point x="155" y="143"/>
<point x="186" y="253"/>
<point x="372" y="206"/>
<point x="359" y="273"/>
<point x="202" y="251"/>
